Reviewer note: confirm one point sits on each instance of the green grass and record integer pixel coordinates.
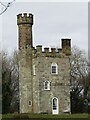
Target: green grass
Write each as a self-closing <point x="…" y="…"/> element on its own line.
<point x="47" y="116"/>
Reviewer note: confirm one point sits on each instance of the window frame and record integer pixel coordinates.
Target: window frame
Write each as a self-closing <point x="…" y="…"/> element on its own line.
<point x="54" y="65"/>
<point x="48" y="85"/>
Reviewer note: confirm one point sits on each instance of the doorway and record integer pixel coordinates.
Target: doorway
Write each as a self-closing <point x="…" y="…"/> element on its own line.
<point x="55" y="109"/>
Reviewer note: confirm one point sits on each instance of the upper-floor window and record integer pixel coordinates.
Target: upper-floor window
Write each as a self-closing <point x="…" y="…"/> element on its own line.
<point x="34" y="70"/>
<point x="54" y="68"/>
<point x="46" y="85"/>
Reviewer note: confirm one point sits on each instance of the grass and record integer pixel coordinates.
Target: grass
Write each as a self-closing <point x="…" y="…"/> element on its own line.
<point x="46" y="116"/>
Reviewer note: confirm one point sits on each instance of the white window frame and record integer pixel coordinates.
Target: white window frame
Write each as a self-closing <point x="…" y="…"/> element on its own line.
<point x="54" y="64"/>
<point x="48" y="85"/>
<point x="34" y="69"/>
<point x="55" y="111"/>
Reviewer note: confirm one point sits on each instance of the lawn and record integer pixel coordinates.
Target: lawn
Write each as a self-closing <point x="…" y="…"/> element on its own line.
<point x="45" y="116"/>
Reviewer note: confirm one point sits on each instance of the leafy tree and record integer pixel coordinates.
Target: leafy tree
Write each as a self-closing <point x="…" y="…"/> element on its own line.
<point x="10" y="88"/>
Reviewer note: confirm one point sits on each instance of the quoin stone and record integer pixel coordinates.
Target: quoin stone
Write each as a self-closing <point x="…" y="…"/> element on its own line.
<point x="44" y="76"/>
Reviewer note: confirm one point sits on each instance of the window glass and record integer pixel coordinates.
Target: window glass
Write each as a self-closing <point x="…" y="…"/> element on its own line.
<point x="54" y="68"/>
<point x="34" y="70"/>
<point x="30" y="102"/>
<point x="47" y="85"/>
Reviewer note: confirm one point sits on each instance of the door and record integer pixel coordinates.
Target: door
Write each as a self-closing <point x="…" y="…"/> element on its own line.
<point x="55" y="106"/>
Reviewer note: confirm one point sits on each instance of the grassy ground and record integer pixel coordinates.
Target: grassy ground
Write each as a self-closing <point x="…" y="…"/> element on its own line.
<point x="45" y="116"/>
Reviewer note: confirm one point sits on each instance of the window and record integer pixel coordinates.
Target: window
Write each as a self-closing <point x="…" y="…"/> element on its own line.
<point x="54" y="69"/>
<point x="30" y="103"/>
<point x="34" y="70"/>
<point x="54" y="104"/>
<point x="46" y="85"/>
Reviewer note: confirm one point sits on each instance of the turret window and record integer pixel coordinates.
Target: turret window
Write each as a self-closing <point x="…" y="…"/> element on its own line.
<point x="30" y="103"/>
<point x="54" y="68"/>
<point x="46" y="85"/>
<point x="34" y="70"/>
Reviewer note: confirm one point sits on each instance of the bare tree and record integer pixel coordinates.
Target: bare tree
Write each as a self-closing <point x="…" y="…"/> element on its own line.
<point x="79" y="80"/>
<point x="79" y="66"/>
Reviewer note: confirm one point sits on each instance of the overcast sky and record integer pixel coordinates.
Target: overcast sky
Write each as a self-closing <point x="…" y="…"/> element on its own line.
<point x="52" y="21"/>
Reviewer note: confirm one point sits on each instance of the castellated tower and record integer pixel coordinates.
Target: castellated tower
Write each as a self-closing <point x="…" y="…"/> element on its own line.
<point x="44" y="76"/>
<point x="25" y="64"/>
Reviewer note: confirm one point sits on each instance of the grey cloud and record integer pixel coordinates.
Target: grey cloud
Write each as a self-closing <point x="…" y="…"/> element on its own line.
<point x="51" y="22"/>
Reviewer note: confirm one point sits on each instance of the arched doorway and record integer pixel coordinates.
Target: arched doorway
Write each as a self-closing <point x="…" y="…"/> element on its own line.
<point x="55" y="109"/>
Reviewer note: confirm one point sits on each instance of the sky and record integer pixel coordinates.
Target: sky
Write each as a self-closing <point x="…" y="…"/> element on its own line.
<point x="52" y="22"/>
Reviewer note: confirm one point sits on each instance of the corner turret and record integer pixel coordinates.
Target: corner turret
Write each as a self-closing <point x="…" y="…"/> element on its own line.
<point x="66" y="46"/>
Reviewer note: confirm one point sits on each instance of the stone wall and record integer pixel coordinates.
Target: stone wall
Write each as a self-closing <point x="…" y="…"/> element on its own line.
<point x="59" y="84"/>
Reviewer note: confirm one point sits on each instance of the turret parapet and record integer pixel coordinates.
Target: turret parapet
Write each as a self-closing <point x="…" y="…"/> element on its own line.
<point x="25" y="19"/>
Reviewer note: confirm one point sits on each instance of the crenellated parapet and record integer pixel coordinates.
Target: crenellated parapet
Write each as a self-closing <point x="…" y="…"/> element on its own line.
<point x="54" y="52"/>
<point x="25" y="19"/>
<point x="65" y="51"/>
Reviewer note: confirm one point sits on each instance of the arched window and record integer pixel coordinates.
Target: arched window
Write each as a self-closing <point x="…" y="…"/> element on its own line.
<point x="54" y="103"/>
<point x="54" y="68"/>
<point x="46" y="85"/>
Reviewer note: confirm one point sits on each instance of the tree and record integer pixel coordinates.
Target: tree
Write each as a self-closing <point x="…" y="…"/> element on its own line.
<point x="79" y="80"/>
<point x="6" y="80"/>
<point x="10" y="88"/>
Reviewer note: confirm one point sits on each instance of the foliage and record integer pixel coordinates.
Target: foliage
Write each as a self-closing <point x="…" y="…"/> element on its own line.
<point x="79" y="81"/>
<point x="9" y="82"/>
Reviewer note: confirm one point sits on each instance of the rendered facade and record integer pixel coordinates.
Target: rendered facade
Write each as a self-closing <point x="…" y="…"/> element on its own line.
<point x="44" y="76"/>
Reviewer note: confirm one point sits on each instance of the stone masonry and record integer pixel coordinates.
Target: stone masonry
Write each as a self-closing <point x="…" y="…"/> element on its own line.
<point x="34" y="98"/>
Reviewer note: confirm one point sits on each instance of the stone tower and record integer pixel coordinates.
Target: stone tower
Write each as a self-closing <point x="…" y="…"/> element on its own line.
<point x="44" y="76"/>
<point x="25" y="23"/>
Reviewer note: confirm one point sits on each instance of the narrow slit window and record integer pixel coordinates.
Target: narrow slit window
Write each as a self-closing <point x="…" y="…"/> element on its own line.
<point x="46" y="85"/>
<point x="34" y="70"/>
<point x="30" y="103"/>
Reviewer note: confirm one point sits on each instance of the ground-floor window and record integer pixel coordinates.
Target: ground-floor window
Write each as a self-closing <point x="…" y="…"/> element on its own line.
<point x="30" y="102"/>
<point x="54" y="103"/>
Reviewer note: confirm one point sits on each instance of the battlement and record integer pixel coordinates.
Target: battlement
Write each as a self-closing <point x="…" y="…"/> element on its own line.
<point x="47" y="53"/>
<point x="25" y="19"/>
<point x="66" y="46"/>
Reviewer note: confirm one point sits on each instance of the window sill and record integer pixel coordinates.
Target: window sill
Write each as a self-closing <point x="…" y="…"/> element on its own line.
<point x="47" y="89"/>
<point x="54" y="74"/>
